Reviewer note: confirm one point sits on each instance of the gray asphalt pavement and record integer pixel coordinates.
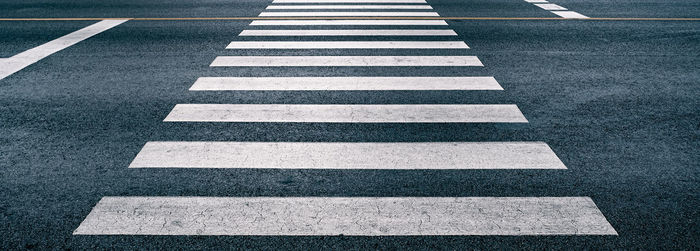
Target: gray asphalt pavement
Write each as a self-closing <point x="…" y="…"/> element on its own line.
<point x="617" y="101"/>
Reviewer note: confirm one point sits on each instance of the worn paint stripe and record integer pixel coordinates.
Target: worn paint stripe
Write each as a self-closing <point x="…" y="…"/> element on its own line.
<point x="348" y="14"/>
<point x="356" y="216"/>
<point x="347" y="45"/>
<point x="346" y="61"/>
<point x="348" y="155"/>
<point x="348" y="22"/>
<point x="395" y="6"/>
<point x="346" y="113"/>
<point x="343" y="83"/>
<point x="445" y="32"/>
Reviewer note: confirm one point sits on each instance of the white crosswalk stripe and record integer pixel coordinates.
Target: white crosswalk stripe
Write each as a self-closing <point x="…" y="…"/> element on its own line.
<point x="349" y="1"/>
<point x="348" y="22"/>
<point x="356" y="216"/>
<point x="268" y="61"/>
<point x="360" y="216"/>
<point x="302" y="155"/>
<point x="348" y="33"/>
<point x="354" y="6"/>
<point x="343" y="83"/>
<point x="346" y="113"/>
<point x="348" y="14"/>
<point x="347" y="45"/>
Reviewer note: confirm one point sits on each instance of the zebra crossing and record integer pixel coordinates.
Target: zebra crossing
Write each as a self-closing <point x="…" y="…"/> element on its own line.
<point x="360" y="216"/>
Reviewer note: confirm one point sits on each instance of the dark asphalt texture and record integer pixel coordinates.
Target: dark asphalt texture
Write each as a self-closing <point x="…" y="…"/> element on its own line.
<point x="618" y="101"/>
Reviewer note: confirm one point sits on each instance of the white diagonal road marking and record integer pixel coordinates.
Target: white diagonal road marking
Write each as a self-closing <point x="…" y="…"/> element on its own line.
<point x="8" y="66"/>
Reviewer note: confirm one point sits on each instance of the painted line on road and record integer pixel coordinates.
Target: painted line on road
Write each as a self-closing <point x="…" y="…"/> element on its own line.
<point x="445" y="32"/>
<point x="550" y="6"/>
<point x="348" y="155"/>
<point x="344" y="83"/>
<point x="351" y="216"/>
<point x="356" y="18"/>
<point x="569" y="14"/>
<point x="347" y="45"/>
<point x="349" y="1"/>
<point x="348" y="14"/>
<point x="300" y="7"/>
<point x="349" y="22"/>
<point x="13" y="64"/>
<point x="321" y="113"/>
<point x="271" y="61"/>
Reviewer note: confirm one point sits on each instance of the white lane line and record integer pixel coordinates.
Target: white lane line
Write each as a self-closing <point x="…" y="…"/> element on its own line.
<point x="354" y="216"/>
<point x="343" y="83"/>
<point x="348" y="22"/>
<point x="8" y="66"/>
<point x="345" y="155"/>
<point x="349" y="1"/>
<point x="569" y="14"/>
<point x="271" y="61"/>
<point x="536" y="1"/>
<point x="348" y="33"/>
<point x="348" y="14"/>
<point x="301" y="7"/>
<point x="283" y="113"/>
<point x="550" y="6"/>
<point x="347" y="45"/>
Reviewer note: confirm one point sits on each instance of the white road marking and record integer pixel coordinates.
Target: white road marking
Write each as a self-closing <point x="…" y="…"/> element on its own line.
<point x="8" y="66"/>
<point x="550" y="6"/>
<point x="314" y="113"/>
<point x="354" y="216"/>
<point x="348" y="22"/>
<point x="345" y="155"/>
<point x="347" y="45"/>
<point x="536" y="1"/>
<point x="300" y="7"/>
<point x="346" y="61"/>
<point x="349" y="14"/>
<point x="348" y="33"/>
<point x="349" y="1"/>
<point x="343" y="83"/>
<point x="569" y="14"/>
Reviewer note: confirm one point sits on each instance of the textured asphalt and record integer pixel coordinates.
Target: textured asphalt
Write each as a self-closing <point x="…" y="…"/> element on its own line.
<point x="618" y="101"/>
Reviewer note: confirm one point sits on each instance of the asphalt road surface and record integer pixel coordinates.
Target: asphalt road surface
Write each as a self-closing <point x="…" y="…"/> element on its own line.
<point x="446" y="124"/>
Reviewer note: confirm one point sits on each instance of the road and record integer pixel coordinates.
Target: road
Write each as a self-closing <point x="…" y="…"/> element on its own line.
<point x="502" y="127"/>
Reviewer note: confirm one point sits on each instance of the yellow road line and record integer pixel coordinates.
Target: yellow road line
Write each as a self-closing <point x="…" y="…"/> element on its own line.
<point x="345" y="18"/>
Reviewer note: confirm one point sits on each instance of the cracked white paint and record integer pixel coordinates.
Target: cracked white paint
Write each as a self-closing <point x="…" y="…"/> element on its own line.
<point x="372" y="32"/>
<point x="347" y="45"/>
<point x="354" y="6"/>
<point x="343" y="83"/>
<point x="348" y="14"/>
<point x="349" y="1"/>
<point x="346" y="113"/>
<point x="359" y="216"/>
<point x="348" y="22"/>
<point x="269" y="61"/>
<point x="347" y="155"/>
